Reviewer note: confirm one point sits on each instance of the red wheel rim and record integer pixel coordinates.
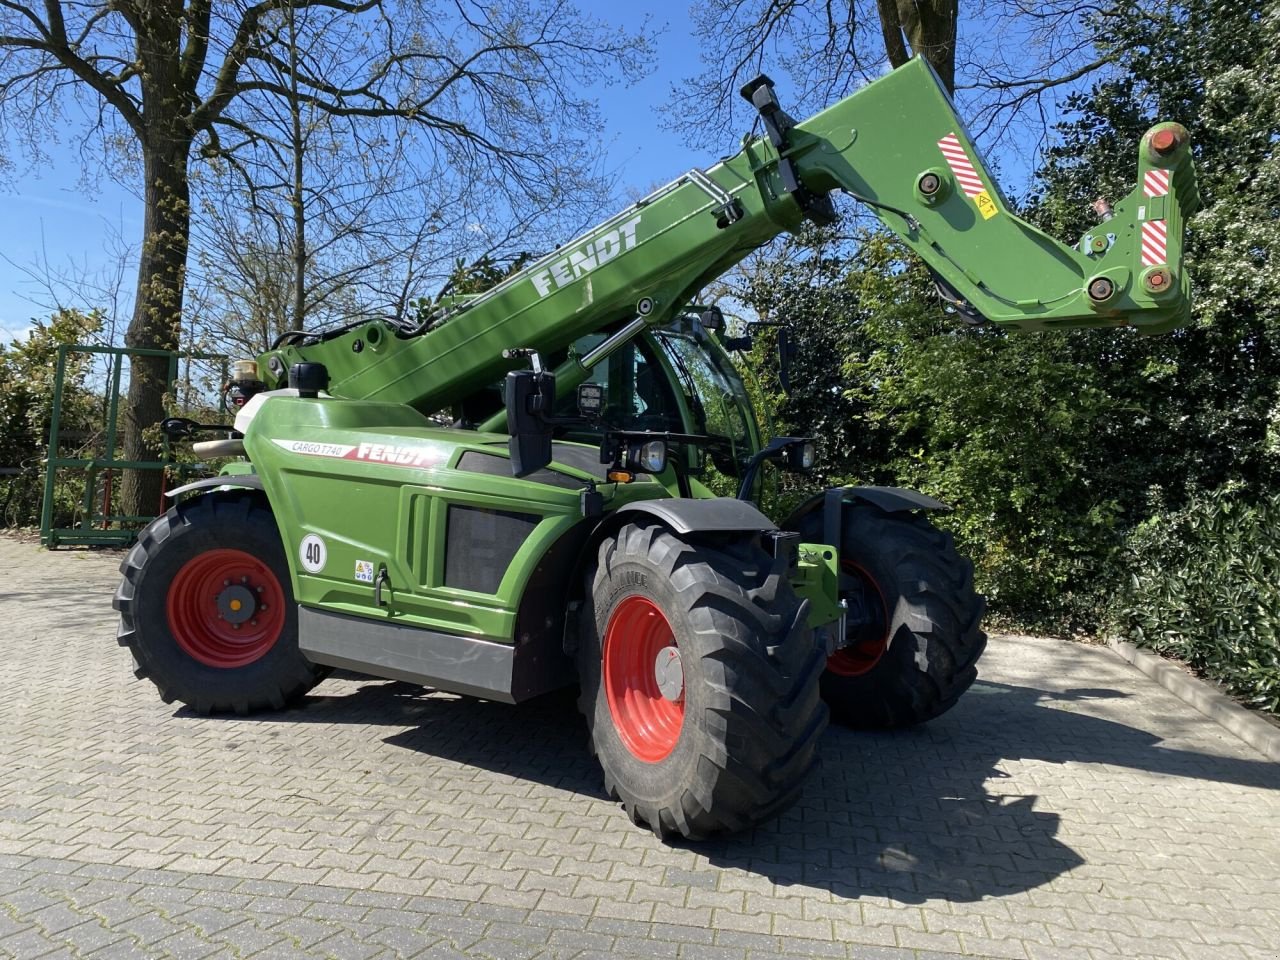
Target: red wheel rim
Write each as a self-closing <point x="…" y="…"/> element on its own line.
<point x="647" y="722"/>
<point x="872" y="640"/>
<point x="225" y="608"/>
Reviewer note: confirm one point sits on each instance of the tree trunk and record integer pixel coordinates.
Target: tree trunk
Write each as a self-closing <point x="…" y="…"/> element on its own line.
<point x="157" y="313"/>
<point x="929" y="27"/>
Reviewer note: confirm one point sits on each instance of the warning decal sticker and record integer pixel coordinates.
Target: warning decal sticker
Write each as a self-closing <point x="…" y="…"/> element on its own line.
<point x="1154" y="242"/>
<point x="1156" y="183"/>
<point x="970" y="183"/>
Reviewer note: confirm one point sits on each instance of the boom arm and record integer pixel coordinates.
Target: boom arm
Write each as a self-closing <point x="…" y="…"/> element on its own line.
<point x="896" y="145"/>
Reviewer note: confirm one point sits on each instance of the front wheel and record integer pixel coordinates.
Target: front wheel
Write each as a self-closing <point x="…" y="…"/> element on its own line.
<point x="699" y="682"/>
<point x="914" y="644"/>
<point x="206" y="607"/>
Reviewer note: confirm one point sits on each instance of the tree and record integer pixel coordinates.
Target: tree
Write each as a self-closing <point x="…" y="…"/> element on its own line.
<point x="1055" y="448"/>
<point x="899" y="393"/>
<point x="27" y="369"/>
<point x="486" y="88"/>
<point x="1006" y="61"/>
<point x="1196" y="409"/>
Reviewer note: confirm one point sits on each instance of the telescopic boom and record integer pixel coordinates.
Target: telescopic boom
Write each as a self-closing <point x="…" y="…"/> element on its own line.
<point x="897" y="146"/>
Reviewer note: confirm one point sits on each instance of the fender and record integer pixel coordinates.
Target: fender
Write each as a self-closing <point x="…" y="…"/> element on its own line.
<point x="685" y="516"/>
<point x="888" y="499"/>
<point x="681" y="515"/>
<point x="246" y="481"/>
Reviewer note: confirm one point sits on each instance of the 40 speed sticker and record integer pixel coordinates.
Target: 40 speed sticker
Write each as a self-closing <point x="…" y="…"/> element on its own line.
<point x="312" y="553"/>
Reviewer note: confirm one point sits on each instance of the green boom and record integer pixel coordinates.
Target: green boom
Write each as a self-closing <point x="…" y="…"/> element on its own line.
<point x="897" y="145"/>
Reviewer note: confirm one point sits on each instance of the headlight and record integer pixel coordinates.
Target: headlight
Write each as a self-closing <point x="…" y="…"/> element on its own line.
<point x="801" y="457"/>
<point x="650" y="457"/>
<point x="808" y="456"/>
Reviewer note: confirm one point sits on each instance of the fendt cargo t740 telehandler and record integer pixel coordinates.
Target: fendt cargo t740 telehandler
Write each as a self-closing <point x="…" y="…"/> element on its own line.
<point x="406" y="512"/>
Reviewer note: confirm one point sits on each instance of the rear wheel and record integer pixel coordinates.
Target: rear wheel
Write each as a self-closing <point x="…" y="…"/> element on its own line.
<point x="206" y="608"/>
<point x="915" y="634"/>
<point x="699" y="682"/>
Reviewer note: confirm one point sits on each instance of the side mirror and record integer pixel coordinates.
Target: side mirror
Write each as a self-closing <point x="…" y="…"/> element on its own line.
<point x="529" y="395"/>
<point x="178" y="428"/>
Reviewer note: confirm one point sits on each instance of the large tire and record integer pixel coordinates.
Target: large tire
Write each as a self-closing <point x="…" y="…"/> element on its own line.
<point x="734" y="747"/>
<point x="916" y="661"/>
<point x="207" y="608"/>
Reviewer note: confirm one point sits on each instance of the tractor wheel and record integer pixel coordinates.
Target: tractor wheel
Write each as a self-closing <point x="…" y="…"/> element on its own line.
<point x="699" y="682"/>
<point x="206" y="608"/>
<point x="921" y="637"/>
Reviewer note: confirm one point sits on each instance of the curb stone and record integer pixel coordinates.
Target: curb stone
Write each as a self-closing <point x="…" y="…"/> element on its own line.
<point x="1228" y="714"/>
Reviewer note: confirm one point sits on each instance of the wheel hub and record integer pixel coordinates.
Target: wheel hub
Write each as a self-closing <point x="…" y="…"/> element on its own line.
<point x="669" y="672"/>
<point x="867" y="631"/>
<point x="236" y="604"/>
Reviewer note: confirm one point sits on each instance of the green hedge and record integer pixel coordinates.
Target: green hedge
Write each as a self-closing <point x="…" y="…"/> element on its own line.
<point x="1205" y="588"/>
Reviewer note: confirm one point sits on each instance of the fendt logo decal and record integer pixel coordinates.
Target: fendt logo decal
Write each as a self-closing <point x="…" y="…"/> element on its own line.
<point x="578" y="263"/>
<point x="390" y="453"/>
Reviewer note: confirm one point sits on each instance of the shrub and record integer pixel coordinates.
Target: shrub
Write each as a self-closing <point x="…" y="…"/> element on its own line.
<point x="1205" y="588"/>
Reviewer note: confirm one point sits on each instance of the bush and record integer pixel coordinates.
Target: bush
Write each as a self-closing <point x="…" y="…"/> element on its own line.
<point x="1205" y="588"/>
<point x="27" y="370"/>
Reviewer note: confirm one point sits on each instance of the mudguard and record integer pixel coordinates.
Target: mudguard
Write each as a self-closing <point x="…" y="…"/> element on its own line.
<point x="685" y="516"/>
<point x="245" y="481"/>
<point x="888" y="499"/>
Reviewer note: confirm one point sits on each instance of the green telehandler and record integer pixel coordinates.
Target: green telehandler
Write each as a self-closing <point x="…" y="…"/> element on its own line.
<point x="513" y="495"/>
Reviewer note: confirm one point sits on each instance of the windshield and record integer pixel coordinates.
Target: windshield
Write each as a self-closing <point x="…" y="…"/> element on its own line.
<point x="715" y="396"/>
<point x="637" y="393"/>
<point x="670" y="381"/>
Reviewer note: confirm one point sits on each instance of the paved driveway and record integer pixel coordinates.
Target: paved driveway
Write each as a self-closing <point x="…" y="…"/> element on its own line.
<point x="1068" y="807"/>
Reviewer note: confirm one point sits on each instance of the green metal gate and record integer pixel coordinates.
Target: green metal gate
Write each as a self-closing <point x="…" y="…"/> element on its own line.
<point x="99" y="525"/>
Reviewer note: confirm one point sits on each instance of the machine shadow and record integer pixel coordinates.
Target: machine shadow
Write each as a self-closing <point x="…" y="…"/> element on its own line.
<point x="903" y="815"/>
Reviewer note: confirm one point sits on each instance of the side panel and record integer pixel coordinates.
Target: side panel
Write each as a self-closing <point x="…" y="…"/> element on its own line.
<point x="377" y="522"/>
<point x="458" y="664"/>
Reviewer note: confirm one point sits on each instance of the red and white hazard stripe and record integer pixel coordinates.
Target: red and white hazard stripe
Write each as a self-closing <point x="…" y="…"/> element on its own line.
<point x="1156" y="183"/>
<point x="959" y="163"/>
<point x="1154" y="242"/>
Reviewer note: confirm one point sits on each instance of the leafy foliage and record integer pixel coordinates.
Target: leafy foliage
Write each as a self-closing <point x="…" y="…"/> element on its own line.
<point x="1205" y="588"/>
<point x="1054" y="447"/>
<point x="1193" y="410"/>
<point x="27" y="372"/>
<point x="998" y="425"/>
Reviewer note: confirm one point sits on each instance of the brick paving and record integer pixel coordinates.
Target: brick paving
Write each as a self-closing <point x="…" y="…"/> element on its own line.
<point x="1067" y="808"/>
